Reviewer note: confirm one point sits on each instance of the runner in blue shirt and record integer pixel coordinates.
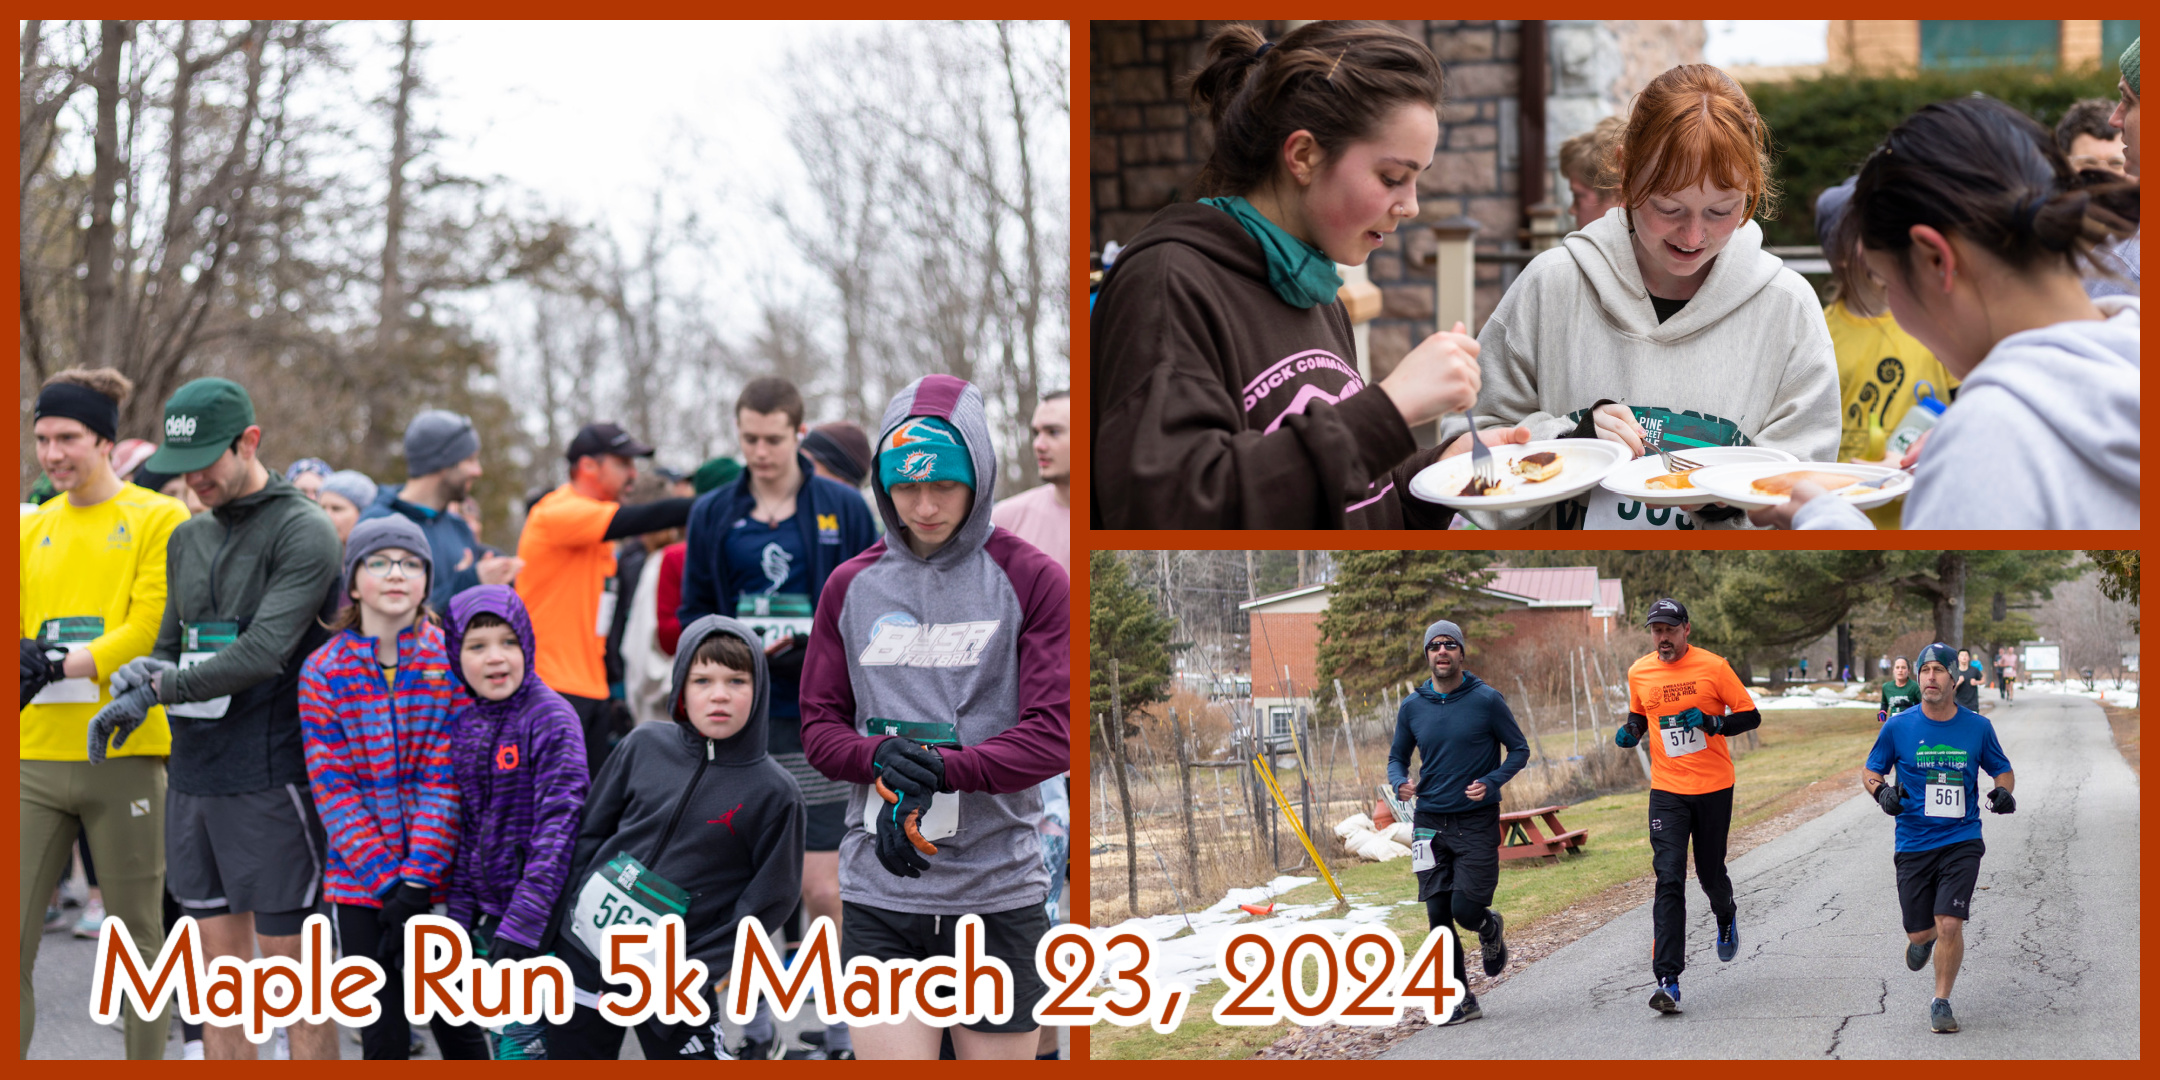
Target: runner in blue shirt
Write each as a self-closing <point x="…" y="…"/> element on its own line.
<point x="1938" y="751"/>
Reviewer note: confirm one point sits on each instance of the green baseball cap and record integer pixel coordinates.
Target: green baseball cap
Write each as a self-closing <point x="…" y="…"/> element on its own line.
<point x="201" y="420"/>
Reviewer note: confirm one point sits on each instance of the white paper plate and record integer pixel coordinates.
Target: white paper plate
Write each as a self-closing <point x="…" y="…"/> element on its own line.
<point x="1732" y="484"/>
<point x="1583" y="462"/>
<point x="1628" y="481"/>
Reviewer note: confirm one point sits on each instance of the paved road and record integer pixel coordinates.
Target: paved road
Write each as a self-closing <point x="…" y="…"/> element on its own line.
<point x="2051" y="967"/>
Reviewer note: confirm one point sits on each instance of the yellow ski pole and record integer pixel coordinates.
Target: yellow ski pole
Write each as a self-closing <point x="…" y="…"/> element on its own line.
<point x="1267" y="775"/>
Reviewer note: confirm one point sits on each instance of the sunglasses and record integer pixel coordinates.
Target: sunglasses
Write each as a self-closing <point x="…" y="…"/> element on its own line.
<point x="1436" y="646"/>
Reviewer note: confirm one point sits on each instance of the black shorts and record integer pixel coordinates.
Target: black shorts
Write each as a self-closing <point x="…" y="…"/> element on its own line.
<point x="824" y="825"/>
<point x="1938" y="881"/>
<point x="1466" y="853"/>
<point x="1010" y="936"/>
<point x="259" y="851"/>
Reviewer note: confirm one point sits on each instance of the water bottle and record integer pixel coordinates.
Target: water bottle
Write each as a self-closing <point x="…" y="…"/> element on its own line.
<point x="1924" y="414"/>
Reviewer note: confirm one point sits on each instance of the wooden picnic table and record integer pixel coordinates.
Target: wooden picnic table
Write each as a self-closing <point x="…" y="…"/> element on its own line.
<point x="1520" y="837"/>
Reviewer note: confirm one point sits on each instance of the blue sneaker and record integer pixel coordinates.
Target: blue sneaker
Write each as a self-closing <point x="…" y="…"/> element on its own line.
<point x="1728" y="939"/>
<point x="1916" y="953"/>
<point x="1940" y="1019"/>
<point x="1667" y="998"/>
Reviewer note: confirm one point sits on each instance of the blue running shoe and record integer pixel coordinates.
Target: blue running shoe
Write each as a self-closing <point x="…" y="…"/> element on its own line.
<point x="1728" y="940"/>
<point x="1939" y="1018"/>
<point x="1916" y="953"/>
<point x="1667" y="998"/>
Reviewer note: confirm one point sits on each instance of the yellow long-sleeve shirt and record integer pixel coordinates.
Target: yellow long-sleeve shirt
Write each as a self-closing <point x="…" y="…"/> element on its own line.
<point x="106" y="561"/>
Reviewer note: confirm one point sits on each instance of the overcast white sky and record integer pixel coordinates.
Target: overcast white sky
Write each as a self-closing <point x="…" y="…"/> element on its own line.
<point x="1767" y="41"/>
<point x="590" y="113"/>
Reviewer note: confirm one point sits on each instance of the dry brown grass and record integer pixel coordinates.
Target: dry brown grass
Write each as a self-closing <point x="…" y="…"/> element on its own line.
<point x="1231" y="846"/>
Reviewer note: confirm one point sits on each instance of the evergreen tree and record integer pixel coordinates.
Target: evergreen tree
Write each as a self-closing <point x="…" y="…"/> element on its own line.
<point x="1124" y="624"/>
<point x="2118" y="577"/>
<point x="1382" y="600"/>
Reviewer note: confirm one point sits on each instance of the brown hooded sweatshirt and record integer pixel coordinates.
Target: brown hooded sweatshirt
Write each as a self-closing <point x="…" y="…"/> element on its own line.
<point x="1219" y="406"/>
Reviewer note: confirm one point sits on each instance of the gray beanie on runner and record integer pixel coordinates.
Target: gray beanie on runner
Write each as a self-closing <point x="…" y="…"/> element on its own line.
<point x="354" y="485"/>
<point x="437" y="439"/>
<point x="1444" y="627"/>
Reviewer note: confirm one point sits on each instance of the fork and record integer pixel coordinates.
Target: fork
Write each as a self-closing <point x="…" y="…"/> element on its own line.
<point x="1481" y="458"/>
<point x="1673" y="462"/>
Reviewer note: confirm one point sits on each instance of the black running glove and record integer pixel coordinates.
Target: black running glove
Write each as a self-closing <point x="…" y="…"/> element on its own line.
<point x="404" y="902"/>
<point x="119" y="719"/>
<point x="2001" y="801"/>
<point x="38" y="671"/>
<point x="1888" y="797"/>
<point x="502" y="948"/>
<point x="909" y="768"/>
<point x="894" y="850"/>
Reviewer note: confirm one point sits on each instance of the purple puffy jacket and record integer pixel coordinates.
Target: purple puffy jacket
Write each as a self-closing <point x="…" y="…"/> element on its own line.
<point x="522" y="779"/>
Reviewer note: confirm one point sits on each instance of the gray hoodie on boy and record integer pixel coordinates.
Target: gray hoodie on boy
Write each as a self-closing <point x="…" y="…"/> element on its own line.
<point x="974" y="636"/>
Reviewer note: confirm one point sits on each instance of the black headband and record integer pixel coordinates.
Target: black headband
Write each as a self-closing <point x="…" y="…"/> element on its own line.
<point x="72" y="401"/>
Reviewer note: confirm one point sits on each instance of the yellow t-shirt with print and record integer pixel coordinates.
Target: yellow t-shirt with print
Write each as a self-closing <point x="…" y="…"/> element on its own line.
<point x="1880" y="368"/>
<point x="108" y="562"/>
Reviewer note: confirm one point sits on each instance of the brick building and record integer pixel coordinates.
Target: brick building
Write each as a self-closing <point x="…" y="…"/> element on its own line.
<point x="1146" y="146"/>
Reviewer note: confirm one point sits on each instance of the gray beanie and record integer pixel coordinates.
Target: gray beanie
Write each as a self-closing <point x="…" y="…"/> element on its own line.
<point x="354" y="485"/>
<point x="436" y="440"/>
<point x="1443" y="627"/>
<point x="388" y="531"/>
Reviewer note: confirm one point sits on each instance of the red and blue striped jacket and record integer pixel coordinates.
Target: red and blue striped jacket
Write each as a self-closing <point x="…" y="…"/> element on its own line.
<point x="379" y="763"/>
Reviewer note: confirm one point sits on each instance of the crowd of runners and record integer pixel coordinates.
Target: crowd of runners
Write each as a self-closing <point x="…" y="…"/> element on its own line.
<point x="1684" y="704"/>
<point x="252" y="695"/>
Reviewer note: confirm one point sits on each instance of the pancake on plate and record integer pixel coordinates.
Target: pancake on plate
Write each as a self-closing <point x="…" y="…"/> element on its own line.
<point x="1783" y="483"/>
<point x="1543" y="465"/>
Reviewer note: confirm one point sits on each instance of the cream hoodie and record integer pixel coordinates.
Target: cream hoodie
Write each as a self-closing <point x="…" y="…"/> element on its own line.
<point x="1748" y="361"/>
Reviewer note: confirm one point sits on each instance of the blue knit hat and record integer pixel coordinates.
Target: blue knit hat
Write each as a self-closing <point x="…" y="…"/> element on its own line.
<point x="924" y="449"/>
<point x="1940" y="653"/>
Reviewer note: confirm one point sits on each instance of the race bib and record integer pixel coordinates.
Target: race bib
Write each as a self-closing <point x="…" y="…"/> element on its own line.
<point x="70" y="634"/>
<point x="1680" y="740"/>
<point x="200" y="642"/>
<point x="606" y="621"/>
<point x="1945" y="795"/>
<point x="942" y="818"/>
<point x="1421" y="856"/>
<point x="622" y="893"/>
<point x="775" y="615"/>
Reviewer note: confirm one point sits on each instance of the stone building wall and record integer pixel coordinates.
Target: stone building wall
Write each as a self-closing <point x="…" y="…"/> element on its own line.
<point x="1146" y="147"/>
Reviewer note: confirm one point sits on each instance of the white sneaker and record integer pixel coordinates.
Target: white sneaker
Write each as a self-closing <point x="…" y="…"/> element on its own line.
<point x="283" y="1052"/>
<point x="191" y="1050"/>
<point x="93" y="916"/>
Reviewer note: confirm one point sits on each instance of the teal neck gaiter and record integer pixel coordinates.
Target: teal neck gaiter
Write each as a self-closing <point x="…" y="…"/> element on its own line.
<point x="1300" y="273"/>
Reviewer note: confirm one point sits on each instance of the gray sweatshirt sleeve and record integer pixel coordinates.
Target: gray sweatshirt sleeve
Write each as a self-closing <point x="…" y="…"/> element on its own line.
<point x="1803" y="420"/>
<point x="305" y="562"/>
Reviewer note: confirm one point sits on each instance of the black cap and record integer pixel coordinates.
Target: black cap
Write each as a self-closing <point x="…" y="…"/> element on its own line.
<point x="1669" y="612"/>
<point x="594" y="440"/>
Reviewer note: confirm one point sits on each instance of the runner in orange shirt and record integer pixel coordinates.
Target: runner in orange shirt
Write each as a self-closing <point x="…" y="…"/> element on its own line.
<point x="569" y="550"/>
<point x="1695" y="701"/>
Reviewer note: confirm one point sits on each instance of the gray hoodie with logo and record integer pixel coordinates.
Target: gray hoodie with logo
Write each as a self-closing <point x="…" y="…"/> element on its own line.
<point x="1748" y="361"/>
<point x="975" y="636"/>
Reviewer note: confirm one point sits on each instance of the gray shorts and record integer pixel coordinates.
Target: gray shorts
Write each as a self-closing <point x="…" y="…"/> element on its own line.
<point x="260" y="852"/>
